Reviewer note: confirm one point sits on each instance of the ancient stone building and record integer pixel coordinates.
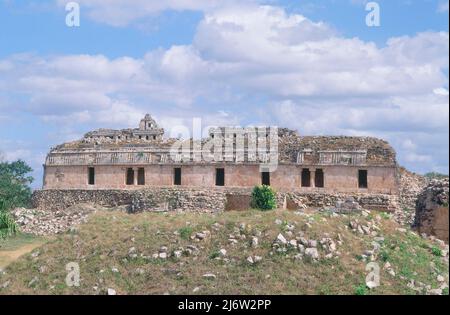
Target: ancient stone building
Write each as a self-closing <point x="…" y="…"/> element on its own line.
<point x="228" y="158"/>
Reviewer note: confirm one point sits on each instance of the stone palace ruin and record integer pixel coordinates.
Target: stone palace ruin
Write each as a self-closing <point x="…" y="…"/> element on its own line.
<point x="230" y="161"/>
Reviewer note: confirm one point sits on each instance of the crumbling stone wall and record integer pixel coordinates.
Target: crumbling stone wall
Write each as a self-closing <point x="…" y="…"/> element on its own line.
<point x="410" y="187"/>
<point x="200" y="200"/>
<point x="381" y="202"/>
<point x="155" y="199"/>
<point x="432" y="210"/>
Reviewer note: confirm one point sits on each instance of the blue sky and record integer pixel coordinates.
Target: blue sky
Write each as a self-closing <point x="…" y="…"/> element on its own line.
<point x="310" y="65"/>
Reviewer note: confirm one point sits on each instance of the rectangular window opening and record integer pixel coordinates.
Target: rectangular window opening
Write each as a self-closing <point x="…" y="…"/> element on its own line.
<point x="130" y="176"/>
<point x="319" y="179"/>
<point x="362" y="179"/>
<point x="177" y="176"/>
<point x="220" y="177"/>
<point x="91" y="176"/>
<point x="265" y="178"/>
<point x="306" y="177"/>
<point x="141" y="176"/>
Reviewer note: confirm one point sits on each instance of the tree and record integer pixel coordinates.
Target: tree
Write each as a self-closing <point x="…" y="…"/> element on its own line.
<point x="14" y="184"/>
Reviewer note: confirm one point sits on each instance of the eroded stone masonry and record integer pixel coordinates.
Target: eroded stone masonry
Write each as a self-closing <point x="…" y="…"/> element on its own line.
<point x="142" y="168"/>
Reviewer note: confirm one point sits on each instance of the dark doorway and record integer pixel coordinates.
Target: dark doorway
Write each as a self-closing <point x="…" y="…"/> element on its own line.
<point x="130" y="176"/>
<point x="306" y="177"/>
<point x="177" y="176"/>
<point x="220" y="177"/>
<point x="319" y="179"/>
<point x="141" y="176"/>
<point x="362" y="178"/>
<point x="91" y="176"/>
<point x="265" y="178"/>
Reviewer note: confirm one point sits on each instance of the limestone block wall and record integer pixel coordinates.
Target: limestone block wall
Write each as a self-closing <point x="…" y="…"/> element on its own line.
<point x="381" y="179"/>
<point x="152" y="199"/>
<point x="197" y="199"/>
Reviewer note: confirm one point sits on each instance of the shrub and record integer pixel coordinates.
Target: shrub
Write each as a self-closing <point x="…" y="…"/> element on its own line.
<point x="7" y="225"/>
<point x="263" y="198"/>
<point x="385" y="216"/>
<point x="361" y="290"/>
<point x="436" y="251"/>
<point x="384" y="255"/>
<point x="214" y="254"/>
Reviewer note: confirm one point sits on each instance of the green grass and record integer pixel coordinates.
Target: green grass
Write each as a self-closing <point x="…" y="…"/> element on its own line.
<point x="19" y="240"/>
<point x="185" y="232"/>
<point x="17" y="245"/>
<point x="413" y="257"/>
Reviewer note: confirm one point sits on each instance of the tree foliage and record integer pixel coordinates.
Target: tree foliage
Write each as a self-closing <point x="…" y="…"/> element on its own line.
<point x="14" y="184"/>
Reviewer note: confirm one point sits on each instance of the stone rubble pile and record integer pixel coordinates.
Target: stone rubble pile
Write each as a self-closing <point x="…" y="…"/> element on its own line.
<point x="40" y="222"/>
<point x="379" y="152"/>
<point x="296" y="245"/>
<point x="347" y="206"/>
<point x="432" y="209"/>
<point x="340" y="202"/>
<point x="410" y="186"/>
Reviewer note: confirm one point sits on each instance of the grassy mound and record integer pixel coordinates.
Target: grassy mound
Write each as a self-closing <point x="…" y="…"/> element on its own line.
<point x="230" y="253"/>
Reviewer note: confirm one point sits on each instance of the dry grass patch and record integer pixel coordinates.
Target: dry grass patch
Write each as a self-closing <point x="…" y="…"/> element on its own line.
<point x="116" y="250"/>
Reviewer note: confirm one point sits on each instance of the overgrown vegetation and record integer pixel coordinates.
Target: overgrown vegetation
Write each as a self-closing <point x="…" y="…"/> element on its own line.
<point x="436" y="251"/>
<point x="14" y="184"/>
<point x="264" y="198"/>
<point x="115" y="250"/>
<point x="361" y="290"/>
<point x="14" y="192"/>
<point x="7" y="225"/>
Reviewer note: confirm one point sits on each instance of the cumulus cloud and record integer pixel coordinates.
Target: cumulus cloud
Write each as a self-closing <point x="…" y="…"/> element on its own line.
<point x="255" y="64"/>
<point x="124" y="12"/>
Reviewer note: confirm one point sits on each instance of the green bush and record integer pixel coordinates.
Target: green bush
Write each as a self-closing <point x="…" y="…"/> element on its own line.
<point x="436" y="251"/>
<point x="7" y="225"/>
<point x="263" y="198"/>
<point x="361" y="290"/>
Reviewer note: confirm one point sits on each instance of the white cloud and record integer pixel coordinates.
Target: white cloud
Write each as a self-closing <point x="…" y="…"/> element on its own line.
<point x="257" y="64"/>
<point x="124" y="12"/>
<point x="17" y="154"/>
<point x="408" y="144"/>
<point x="415" y="158"/>
<point x="441" y="91"/>
<point x="443" y="6"/>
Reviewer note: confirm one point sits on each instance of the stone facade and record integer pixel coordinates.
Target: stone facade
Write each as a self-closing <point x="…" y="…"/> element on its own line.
<point x="141" y="158"/>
